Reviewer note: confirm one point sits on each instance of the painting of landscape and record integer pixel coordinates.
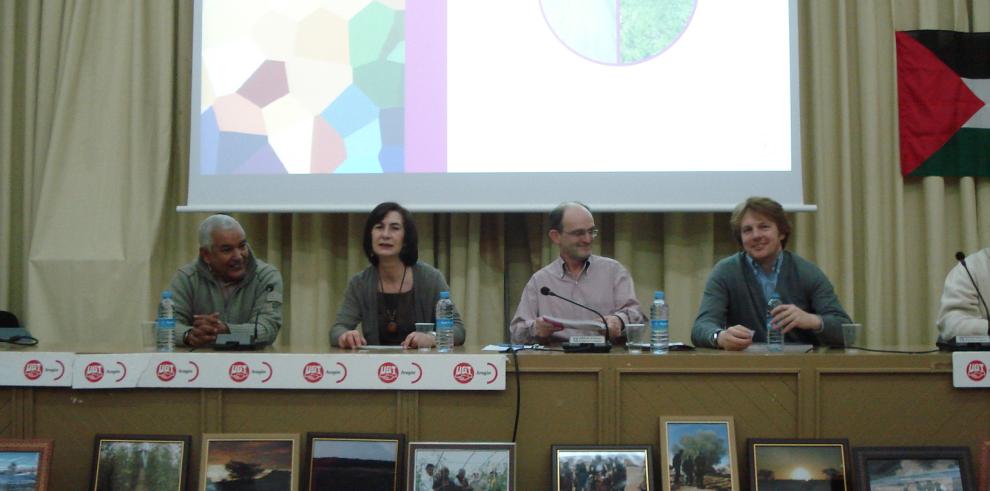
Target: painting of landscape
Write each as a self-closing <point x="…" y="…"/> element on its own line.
<point x="799" y="467"/>
<point x="256" y="464"/>
<point x="19" y="470"/>
<point x="125" y="463"/>
<point x="354" y="463"/>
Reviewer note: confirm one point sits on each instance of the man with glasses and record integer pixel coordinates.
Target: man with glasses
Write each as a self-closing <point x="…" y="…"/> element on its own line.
<point x="598" y="282"/>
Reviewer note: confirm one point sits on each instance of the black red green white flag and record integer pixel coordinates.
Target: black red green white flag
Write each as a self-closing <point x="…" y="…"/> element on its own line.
<point x="943" y="96"/>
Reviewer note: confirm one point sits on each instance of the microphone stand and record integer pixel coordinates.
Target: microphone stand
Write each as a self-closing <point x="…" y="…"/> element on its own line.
<point x="583" y="347"/>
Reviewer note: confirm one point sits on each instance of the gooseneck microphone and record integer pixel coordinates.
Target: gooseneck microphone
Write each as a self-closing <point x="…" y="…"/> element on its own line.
<point x="242" y="342"/>
<point x="607" y="346"/>
<point x="962" y="260"/>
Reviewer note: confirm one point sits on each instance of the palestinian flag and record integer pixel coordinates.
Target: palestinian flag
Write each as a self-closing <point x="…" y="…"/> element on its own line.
<point x="943" y="95"/>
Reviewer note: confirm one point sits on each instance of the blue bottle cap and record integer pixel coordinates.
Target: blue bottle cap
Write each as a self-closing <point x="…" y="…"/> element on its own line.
<point x="658" y="294"/>
<point x="166" y="294"/>
<point x="444" y="294"/>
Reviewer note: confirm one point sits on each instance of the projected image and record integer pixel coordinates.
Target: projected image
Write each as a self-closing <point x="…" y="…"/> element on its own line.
<point x="301" y="87"/>
<point x="620" y="32"/>
<point x="336" y="105"/>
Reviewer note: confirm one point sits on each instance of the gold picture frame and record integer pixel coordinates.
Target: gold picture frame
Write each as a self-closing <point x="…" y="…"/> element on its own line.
<point x="687" y="440"/>
<point x="272" y="458"/>
<point x="33" y="458"/>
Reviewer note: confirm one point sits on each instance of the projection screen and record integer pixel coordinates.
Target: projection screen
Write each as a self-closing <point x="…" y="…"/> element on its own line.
<point x="509" y="105"/>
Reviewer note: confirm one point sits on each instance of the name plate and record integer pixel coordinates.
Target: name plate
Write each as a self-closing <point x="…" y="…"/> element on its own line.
<point x="318" y="371"/>
<point x="587" y="339"/>
<point x="108" y="371"/>
<point x="972" y="339"/>
<point x="969" y="369"/>
<point x="37" y="369"/>
<point x="353" y="371"/>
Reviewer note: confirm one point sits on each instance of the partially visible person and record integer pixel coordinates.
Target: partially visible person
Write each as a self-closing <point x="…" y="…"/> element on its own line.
<point x="425" y="479"/>
<point x="599" y="282"/>
<point x="395" y="292"/>
<point x="733" y="309"/>
<point x="960" y="312"/>
<point x="461" y="481"/>
<point x="226" y="289"/>
<point x="442" y="481"/>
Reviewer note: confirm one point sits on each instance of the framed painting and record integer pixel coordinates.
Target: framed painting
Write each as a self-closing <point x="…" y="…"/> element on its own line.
<point x="249" y="461"/>
<point x="140" y="462"/>
<point x="699" y="452"/>
<point x="811" y="464"/>
<point x="456" y="465"/>
<point x="354" y="461"/>
<point x="25" y="464"/>
<point x="944" y="468"/>
<point x="612" y="467"/>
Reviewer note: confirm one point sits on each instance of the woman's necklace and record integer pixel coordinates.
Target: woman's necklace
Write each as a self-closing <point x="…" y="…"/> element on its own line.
<point x="392" y="311"/>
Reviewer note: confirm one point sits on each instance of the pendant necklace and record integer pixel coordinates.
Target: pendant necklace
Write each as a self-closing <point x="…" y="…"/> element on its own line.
<point x="391" y="313"/>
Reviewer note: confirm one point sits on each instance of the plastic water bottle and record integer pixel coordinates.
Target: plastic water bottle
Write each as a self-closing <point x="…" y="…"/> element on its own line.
<point x="659" y="326"/>
<point x="775" y="338"/>
<point x="166" y="323"/>
<point x="445" y="323"/>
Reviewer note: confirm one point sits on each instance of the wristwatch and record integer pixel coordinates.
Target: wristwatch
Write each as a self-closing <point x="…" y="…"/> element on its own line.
<point x="715" y="338"/>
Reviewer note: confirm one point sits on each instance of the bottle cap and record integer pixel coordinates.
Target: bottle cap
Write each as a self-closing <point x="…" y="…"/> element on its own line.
<point x="658" y="294"/>
<point x="444" y="294"/>
<point x="166" y="294"/>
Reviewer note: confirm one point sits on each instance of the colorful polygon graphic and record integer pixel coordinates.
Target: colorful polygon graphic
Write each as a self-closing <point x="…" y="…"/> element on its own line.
<point x="618" y="32"/>
<point x="302" y="87"/>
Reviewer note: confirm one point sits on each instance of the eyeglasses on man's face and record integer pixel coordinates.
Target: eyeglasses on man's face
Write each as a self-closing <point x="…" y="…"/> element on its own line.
<point x="577" y="234"/>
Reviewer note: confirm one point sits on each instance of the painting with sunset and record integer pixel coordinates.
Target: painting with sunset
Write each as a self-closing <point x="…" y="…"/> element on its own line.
<point x="698" y="453"/>
<point x="899" y="468"/>
<point x="257" y="462"/>
<point x="798" y="464"/>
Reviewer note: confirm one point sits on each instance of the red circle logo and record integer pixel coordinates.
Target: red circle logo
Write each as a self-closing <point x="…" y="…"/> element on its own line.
<point x="313" y="372"/>
<point x="388" y="372"/>
<point x="463" y="373"/>
<point x="94" y="372"/>
<point x="166" y="371"/>
<point x="33" y="369"/>
<point x="238" y="371"/>
<point x="976" y="370"/>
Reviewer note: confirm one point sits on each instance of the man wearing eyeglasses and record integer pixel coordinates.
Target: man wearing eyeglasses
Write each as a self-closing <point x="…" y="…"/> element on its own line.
<point x="598" y="282"/>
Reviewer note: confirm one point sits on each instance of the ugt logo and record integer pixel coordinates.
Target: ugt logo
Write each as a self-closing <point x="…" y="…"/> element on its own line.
<point x="976" y="370"/>
<point x="313" y="372"/>
<point x="388" y="372"/>
<point x="94" y="372"/>
<point x="166" y="371"/>
<point x="463" y="373"/>
<point x="238" y="371"/>
<point x="33" y="369"/>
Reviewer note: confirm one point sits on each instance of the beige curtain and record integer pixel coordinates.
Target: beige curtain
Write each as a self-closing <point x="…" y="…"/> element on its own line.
<point x="94" y="115"/>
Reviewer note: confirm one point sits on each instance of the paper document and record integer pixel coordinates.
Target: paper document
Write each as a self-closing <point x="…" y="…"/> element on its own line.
<point x="788" y="348"/>
<point x="575" y="324"/>
<point x="502" y="348"/>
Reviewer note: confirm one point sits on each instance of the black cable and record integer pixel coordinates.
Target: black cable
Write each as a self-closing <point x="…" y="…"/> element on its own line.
<point x="515" y="361"/>
<point x="874" y="350"/>
<point x="20" y="340"/>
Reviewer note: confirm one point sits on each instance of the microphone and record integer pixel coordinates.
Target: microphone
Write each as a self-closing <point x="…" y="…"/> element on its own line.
<point x="241" y="341"/>
<point x="962" y="260"/>
<point x="582" y="347"/>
